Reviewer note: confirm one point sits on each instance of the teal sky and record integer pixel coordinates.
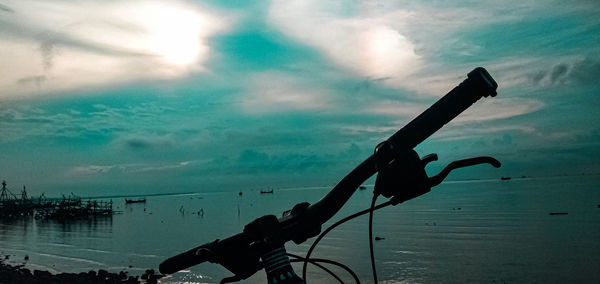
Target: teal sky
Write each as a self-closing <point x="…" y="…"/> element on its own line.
<point x="105" y="97"/>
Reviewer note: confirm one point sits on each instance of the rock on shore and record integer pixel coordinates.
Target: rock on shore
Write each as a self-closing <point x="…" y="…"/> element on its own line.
<point x="18" y="274"/>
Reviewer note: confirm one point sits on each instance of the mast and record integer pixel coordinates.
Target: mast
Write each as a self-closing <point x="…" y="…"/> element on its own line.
<point x="5" y="194"/>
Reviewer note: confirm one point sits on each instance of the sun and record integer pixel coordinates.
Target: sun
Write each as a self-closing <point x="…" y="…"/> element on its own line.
<point x="175" y="34"/>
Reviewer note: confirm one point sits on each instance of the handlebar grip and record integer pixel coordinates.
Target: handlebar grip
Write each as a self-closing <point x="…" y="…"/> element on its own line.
<point x="189" y="258"/>
<point x="234" y="253"/>
<point x="478" y="84"/>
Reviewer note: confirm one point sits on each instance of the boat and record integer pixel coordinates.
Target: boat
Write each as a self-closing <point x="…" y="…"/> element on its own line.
<point x="143" y="200"/>
<point x="505" y="178"/>
<point x="266" y="191"/>
<point x="362" y="187"/>
<point x="559" y="213"/>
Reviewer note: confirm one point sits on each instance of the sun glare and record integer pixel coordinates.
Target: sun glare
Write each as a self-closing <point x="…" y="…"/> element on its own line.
<point x="175" y="34"/>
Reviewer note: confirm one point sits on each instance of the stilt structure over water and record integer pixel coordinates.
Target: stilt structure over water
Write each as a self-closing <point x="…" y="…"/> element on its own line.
<point x="68" y="208"/>
<point x="5" y="194"/>
<point x="71" y="207"/>
<point x="12" y="206"/>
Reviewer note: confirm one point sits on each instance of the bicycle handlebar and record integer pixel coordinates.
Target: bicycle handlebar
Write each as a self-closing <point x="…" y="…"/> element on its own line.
<point x="478" y="84"/>
<point x="239" y="251"/>
<point x="219" y="251"/>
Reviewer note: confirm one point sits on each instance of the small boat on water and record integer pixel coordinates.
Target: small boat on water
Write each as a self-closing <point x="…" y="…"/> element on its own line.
<point x="559" y="213"/>
<point x="266" y="191"/>
<point x="362" y="187"/>
<point x="505" y="178"/>
<point x="143" y="200"/>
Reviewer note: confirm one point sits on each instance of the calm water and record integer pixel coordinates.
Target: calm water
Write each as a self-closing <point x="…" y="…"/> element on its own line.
<point x="501" y="234"/>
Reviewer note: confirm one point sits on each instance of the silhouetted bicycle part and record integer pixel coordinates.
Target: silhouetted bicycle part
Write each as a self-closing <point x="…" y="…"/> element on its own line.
<point x="401" y="176"/>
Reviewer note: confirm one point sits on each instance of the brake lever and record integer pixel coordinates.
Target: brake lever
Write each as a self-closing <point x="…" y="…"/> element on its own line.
<point x="403" y="177"/>
<point x="437" y="179"/>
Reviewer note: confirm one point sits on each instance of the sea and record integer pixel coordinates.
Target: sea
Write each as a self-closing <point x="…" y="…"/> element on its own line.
<point x="477" y="231"/>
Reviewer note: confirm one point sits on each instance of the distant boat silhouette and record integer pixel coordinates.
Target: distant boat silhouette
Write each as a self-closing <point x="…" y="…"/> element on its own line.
<point x="266" y="191"/>
<point x="505" y="178"/>
<point x="362" y="187"/>
<point x="143" y="200"/>
<point x="559" y="213"/>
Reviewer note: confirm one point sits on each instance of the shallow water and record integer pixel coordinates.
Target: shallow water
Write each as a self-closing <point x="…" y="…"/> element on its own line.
<point x="503" y="233"/>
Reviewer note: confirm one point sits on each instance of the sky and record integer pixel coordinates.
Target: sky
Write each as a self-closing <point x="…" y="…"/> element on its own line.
<point x="133" y="97"/>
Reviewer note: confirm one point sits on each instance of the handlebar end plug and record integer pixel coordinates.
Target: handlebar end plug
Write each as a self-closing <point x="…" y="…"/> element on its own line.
<point x="485" y="80"/>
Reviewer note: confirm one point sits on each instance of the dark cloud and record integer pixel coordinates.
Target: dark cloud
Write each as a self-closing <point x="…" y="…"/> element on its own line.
<point x="591" y="137"/>
<point x="554" y="76"/>
<point x="587" y="70"/>
<point x="50" y="41"/>
<point x="582" y="71"/>
<point x="253" y="157"/>
<point x="47" y="51"/>
<point x="36" y="80"/>
<point x="5" y="8"/>
<point x="140" y="143"/>
<point x="559" y="72"/>
<point x="254" y="161"/>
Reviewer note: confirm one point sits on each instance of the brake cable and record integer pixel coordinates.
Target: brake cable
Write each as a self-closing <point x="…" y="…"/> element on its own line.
<point x="315" y="261"/>
<point x="375" y="195"/>
<point x="387" y="185"/>
<point x="333" y="226"/>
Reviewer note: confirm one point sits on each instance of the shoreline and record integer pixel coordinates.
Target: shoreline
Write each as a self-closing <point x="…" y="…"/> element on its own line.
<point x="19" y="274"/>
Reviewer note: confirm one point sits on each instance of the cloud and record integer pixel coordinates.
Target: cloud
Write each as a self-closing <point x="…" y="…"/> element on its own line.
<point x="252" y="161"/>
<point x="36" y="80"/>
<point x="133" y="124"/>
<point x="272" y="92"/>
<point x="506" y="140"/>
<point x="428" y="49"/>
<point x="91" y="43"/>
<point x="497" y="108"/>
<point x="467" y="132"/>
<point x="483" y="110"/>
<point x="156" y="168"/>
<point x="89" y="170"/>
<point x="576" y="70"/>
<point x="5" y="8"/>
<point x="531" y="73"/>
<point x="94" y="170"/>
<point x="47" y="52"/>
<point x="403" y="43"/>
<point x="395" y="108"/>
<point x="139" y="142"/>
<point x="367" y="45"/>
